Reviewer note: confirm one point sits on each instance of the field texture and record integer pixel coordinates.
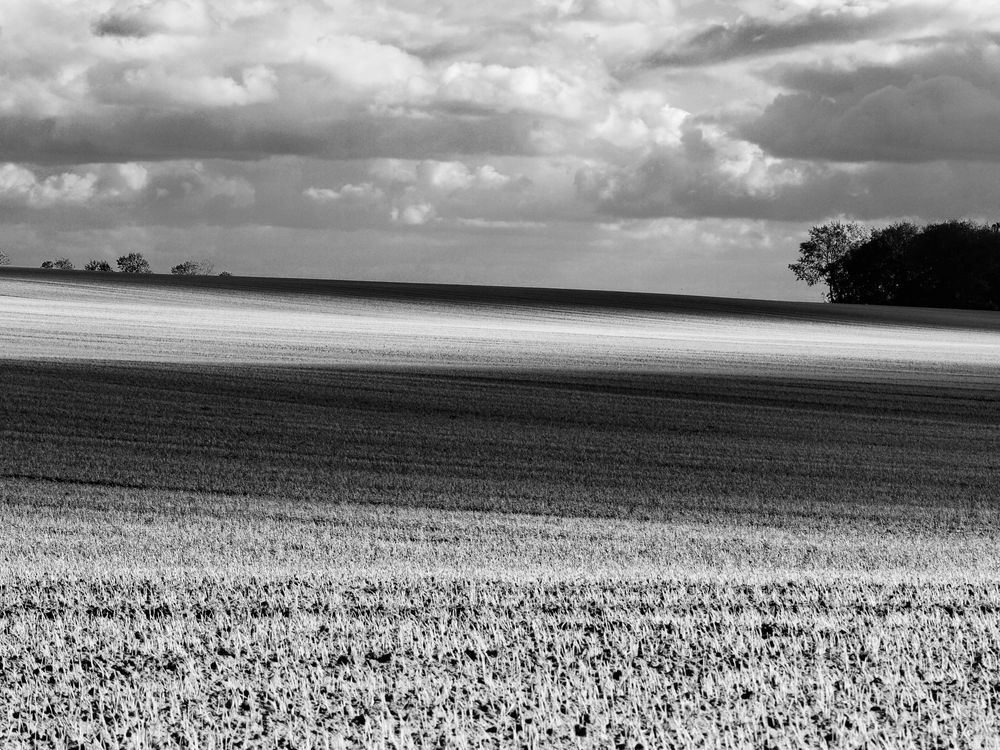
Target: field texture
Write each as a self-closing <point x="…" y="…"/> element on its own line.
<point x="240" y="513"/>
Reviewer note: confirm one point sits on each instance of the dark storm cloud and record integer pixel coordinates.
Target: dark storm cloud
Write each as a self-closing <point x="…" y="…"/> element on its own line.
<point x="751" y="36"/>
<point x="121" y="26"/>
<point x="973" y="58"/>
<point x="143" y="136"/>
<point x="152" y="136"/>
<point x="944" y="105"/>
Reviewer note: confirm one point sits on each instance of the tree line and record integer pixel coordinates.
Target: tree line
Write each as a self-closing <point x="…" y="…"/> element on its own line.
<point x="949" y="264"/>
<point x="130" y="263"/>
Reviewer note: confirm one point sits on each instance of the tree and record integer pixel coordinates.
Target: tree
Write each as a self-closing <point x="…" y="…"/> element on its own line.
<point x="98" y="265"/>
<point x="951" y="264"/>
<point x="875" y="272"/>
<point x="826" y="245"/>
<point x="134" y="263"/>
<point x="193" y="268"/>
<point x="224" y="273"/>
<point x="4" y="259"/>
<point x="59" y="264"/>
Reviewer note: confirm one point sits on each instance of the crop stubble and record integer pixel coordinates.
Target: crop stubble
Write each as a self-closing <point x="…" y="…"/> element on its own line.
<point x="786" y="544"/>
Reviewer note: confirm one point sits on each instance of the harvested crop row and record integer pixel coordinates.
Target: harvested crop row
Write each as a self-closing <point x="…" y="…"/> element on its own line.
<point x="425" y="662"/>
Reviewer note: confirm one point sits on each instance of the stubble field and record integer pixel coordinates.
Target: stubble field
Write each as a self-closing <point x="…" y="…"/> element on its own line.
<point x="241" y="513"/>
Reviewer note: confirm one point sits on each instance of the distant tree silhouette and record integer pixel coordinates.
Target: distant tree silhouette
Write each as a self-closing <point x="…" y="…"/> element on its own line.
<point x="187" y="268"/>
<point x="134" y="263"/>
<point x="59" y="264"/>
<point x="224" y="273"/>
<point x="98" y="265"/>
<point x="949" y="264"/>
<point x="826" y="245"/>
<point x="193" y="268"/>
<point x="4" y="259"/>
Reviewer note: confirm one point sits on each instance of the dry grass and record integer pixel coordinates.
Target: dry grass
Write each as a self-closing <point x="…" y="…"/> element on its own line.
<point x="235" y="517"/>
<point x="169" y="619"/>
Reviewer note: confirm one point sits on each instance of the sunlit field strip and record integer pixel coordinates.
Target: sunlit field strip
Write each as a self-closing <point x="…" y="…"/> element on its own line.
<point x="83" y="317"/>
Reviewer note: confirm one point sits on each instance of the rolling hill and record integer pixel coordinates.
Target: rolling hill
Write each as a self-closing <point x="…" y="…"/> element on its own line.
<point x="523" y="399"/>
<point x="267" y="512"/>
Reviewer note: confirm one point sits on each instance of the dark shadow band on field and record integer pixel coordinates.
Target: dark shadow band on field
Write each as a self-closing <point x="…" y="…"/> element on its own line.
<point x="615" y="444"/>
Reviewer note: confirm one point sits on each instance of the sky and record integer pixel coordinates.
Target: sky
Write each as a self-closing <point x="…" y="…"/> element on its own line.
<point x="679" y="146"/>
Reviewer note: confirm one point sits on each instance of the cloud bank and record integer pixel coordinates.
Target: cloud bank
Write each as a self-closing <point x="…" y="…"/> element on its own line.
<point x="538" y="141"/>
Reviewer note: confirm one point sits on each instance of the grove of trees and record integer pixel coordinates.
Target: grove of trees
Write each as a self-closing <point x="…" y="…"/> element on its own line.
<point x="59" y="264"/>
<point x="131" y="263"/>
<point x="950" y="264"/>
<point x="193" y="268"/>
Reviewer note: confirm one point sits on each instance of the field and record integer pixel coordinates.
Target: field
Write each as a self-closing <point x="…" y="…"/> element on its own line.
<point x="242" y="513"/>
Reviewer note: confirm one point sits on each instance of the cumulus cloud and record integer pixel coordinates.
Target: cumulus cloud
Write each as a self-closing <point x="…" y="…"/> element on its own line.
<point x="639" y="119"/>
<point x="456" y="121"/>
<point x="931" y="105"/>
<point x="414" y="214"/>
<point x="450" y="176"/>
<point x="709" y="174"/>
<point x="515" y="89"/>
<point x="190" y="79"/>
<point x="87" y="184"/>
<point x="21" y="185"/>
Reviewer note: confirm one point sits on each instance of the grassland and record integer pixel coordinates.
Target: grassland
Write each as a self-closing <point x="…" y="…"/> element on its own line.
<point x="234" y="514"/>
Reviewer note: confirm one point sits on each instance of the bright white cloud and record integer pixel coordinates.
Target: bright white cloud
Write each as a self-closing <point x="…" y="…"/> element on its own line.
<point x="641" y="118"/>
<point x="521" y="88"/>
<point x="449" y="176"/>
<point x="20" y="185"/>
<point x="363" y="65"/>
<point x="364" y="193"/>
<point x="136" y="176"/>
<point x="414" y="214"/>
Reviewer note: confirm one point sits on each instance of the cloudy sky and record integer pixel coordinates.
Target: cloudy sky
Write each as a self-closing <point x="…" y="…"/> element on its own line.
<point x="655" y="145"/>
